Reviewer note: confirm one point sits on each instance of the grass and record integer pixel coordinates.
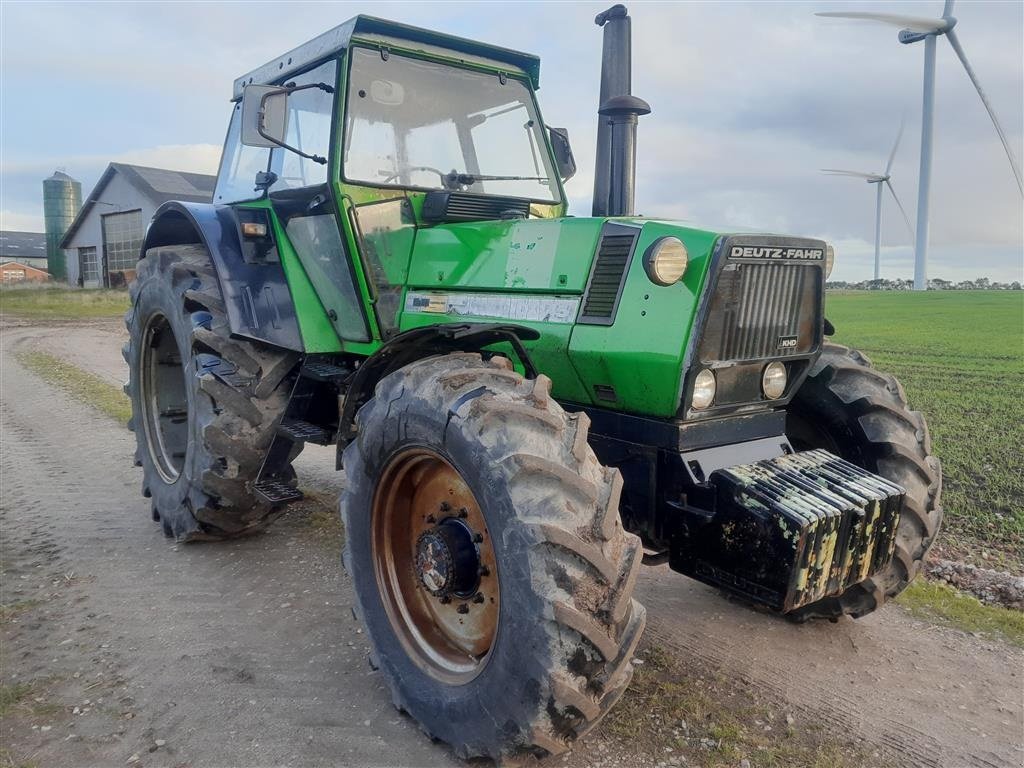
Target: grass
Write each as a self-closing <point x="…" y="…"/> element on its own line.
<point x="13" y="695"/>
<point x="941" y="603"/>
<point x="82" y="385"/>
<point x="12" y="610"/>
<point x="56" y="303"/>
<point x="714" y="722"/>
<point x="960" y="357"/>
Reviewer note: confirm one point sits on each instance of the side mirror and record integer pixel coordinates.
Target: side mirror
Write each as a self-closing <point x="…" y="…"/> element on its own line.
<point x="565" y="162"/>
<point x="264" y="115"/>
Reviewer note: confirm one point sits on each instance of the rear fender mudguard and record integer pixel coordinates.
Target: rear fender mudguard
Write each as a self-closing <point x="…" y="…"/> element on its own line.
<point x="256" y="296"/>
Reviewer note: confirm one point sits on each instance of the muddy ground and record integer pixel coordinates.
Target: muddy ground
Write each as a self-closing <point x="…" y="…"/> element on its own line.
<point x="123" y="648"/>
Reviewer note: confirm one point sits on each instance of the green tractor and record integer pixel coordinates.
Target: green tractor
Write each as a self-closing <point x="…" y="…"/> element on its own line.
<point x="527" y="405"/>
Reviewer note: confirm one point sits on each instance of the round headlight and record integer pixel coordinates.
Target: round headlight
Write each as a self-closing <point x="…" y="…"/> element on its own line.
<point x="830" y="260"/>
<point x="704" y="386"/>
<point x="665" y="260"/>
<point x="773" y="380"/>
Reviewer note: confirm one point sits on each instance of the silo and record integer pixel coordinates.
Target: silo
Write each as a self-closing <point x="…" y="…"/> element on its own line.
<point x="62" y="198"/>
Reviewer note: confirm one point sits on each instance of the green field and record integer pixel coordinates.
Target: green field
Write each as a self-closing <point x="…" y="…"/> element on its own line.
<point x="52" y="303"/>
<point x="960" y="357"/>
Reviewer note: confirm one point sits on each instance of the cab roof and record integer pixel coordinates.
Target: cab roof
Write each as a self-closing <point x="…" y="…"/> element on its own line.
<point x="333" y="41"/>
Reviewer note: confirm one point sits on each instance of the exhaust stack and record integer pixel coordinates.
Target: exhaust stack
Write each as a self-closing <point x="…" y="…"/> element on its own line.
<point x="615" y="167"/>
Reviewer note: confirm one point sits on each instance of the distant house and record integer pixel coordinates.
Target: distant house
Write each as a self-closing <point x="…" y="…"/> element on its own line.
<point x="103" y="242"/>
<point x="28" y="248"/>
<point x="16" y="272"/>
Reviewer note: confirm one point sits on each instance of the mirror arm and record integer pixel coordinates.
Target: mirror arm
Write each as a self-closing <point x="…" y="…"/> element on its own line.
<point x="289" y="90"/>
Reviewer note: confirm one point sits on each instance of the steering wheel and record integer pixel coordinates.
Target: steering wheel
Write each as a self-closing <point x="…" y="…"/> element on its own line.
<point x="391" y="176"/>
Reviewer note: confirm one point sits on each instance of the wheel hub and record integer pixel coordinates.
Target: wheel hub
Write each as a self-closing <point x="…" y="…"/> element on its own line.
<point x="447" y="561"/>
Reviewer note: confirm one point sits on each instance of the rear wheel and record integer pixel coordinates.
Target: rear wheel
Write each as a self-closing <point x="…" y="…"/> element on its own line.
<point x="489" y="563"/>
<point x="847" y="407"/>
<point x="204" y="406"/>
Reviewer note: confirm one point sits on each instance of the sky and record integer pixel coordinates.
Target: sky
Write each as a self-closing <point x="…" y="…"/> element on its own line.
<point x="750" y="101"/>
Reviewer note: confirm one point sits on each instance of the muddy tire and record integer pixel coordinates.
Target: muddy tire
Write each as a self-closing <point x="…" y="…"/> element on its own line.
<point x="204" y="406"/>
<point x="566" y="624"/>
<point x="847" y="407"/>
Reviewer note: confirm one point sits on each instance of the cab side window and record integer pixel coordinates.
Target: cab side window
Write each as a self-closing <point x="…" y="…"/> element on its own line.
<point x="309" y="129"/>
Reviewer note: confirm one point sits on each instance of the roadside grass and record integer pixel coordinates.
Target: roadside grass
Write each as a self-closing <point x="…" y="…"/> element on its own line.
<point x="27" y="699"/>
<point x="15" y="609"/>
<point x="672" y="710"/>
<point x="59" y="303"/>
<point x="82" y="385"/>
<point x="941" y="603"/>
<point x="960" y="357"/>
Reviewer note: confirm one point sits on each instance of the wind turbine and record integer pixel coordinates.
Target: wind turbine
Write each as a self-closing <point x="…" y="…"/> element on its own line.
<point x="879" y="179"/>
<point x="915" y="29"/>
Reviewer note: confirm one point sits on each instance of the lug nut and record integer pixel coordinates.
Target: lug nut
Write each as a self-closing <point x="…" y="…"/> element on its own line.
<point x="463" y="512"/>
<point x="445" y="506"/>
<point x="478" y="597"/>
<point x="445" y="599"/>
<point x="463" y="608"/>
<point x="484" y="570"/>
<point x="431" y="519"/>
<point x="478" y="537"/>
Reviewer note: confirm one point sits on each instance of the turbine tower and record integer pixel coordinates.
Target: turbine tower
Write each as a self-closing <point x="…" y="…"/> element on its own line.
<point x="879" y="179"/>
<point x="916" y="29"/>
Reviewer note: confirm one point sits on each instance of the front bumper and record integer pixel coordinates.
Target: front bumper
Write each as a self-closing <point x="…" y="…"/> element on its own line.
<point x="790" y="530"/>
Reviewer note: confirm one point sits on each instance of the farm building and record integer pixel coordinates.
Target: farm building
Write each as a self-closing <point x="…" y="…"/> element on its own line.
<point x="102" y="244"/>
<point x="16" y="272"/>
<point x="28" y="248"/>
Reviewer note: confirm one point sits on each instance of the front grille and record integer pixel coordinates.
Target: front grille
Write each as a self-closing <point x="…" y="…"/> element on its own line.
<point x="610" y="265"/>
<point x="763" y="311"/>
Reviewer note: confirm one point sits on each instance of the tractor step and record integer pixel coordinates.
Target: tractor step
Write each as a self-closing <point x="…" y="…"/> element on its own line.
<point x="275" y="492"/>
<point x="300" y="431"/>
<point x="326" y="372"/>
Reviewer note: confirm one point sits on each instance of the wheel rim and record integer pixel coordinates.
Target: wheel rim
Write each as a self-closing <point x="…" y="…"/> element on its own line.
<point x="163" y="398"/>
<point x="435" y="566"/>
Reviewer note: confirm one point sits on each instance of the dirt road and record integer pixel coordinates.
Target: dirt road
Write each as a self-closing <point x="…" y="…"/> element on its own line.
<point x="246" y="653"/>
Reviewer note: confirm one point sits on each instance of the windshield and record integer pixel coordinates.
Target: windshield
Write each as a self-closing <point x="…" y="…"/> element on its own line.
<point x="414" y="123"/>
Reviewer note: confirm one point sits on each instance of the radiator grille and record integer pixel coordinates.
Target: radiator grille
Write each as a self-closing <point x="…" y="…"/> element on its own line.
<point x="761" y="311"/>
<point x="606" y="279"/>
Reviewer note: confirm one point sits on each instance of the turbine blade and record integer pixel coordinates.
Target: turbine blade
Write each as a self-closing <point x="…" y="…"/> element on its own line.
<point x="947" y="11"/>
<point x="923" y="24"/>
<point x="959" y="50"/>
<point x="856" y="174"/>
<point x="906" y="218"/>
<point x="895" y="146"/>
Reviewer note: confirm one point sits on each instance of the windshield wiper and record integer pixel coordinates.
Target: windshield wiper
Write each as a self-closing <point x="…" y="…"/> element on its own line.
<point x="454" y="180"/>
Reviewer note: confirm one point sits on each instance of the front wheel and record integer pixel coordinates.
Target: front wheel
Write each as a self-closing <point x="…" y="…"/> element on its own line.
<point x="489" y="563"/>
<point x="847" y="407"/>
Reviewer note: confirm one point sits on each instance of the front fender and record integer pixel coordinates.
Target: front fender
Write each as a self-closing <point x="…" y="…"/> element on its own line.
<point x="256" y="296"/>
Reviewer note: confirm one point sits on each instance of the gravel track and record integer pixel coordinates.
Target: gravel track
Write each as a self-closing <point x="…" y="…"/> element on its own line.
<point x="246" y="653"/>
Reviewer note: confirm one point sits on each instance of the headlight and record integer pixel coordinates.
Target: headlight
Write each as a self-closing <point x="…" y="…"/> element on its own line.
<point x="830" y="260"/>
<point x="773" y="380"/>
<point x="704" y="386"/>
<point x="665" y="260"/>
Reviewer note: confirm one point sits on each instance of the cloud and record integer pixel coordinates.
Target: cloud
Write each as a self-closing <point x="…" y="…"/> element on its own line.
<point x="749" y="101"/>
<point x="20" y="222"/>
<point x="193" y="158"/>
